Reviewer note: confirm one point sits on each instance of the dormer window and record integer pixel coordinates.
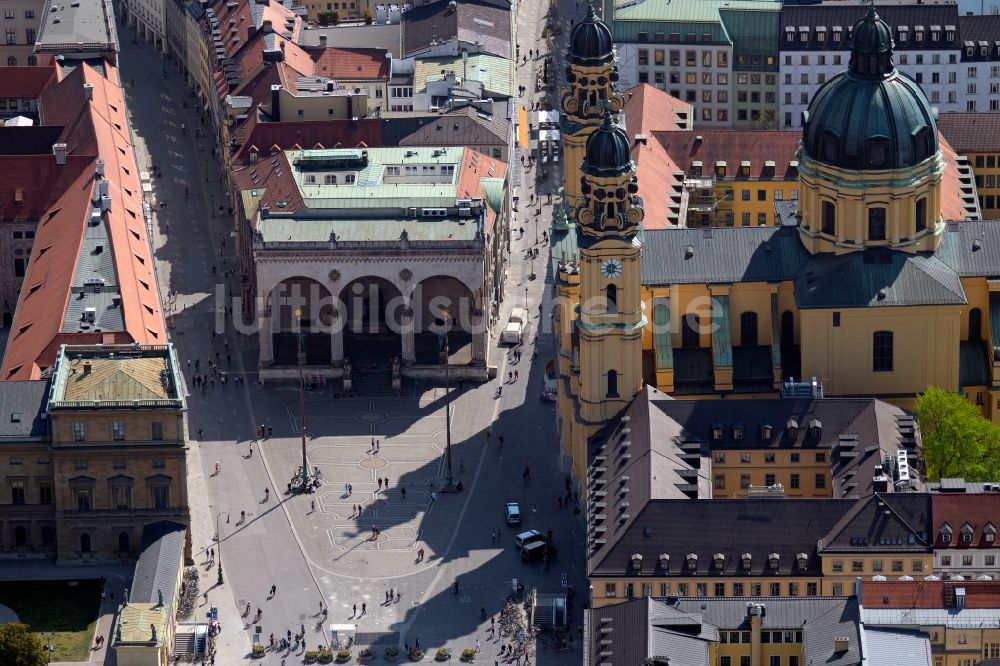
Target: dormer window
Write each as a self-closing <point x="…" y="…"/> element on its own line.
<point x="946" y="533"/>
<point x="815" y="428"/>
<point x="664" y="561"/>
<point x="717" y="431"/>
<point x="719" y="561"/>
<point x="803" y="33"/>
<point x="720" y="169"/>
<point x="989" y="533"/>
<point x="967" y="532"/>
<point x="765" y="431"/>
<point x="820" y="33"/>
<point x="745" y="560"/>
<point x="792" y="428"/>
<point x="949" y="33"/>
<point x="918" y="34"/>
<point x="745" y="168"/>
<point x="802" y="560"/>
<point x="692" y="561"/>
<point x="696" y="168"/>
<point x="935" y="35"/>
<point x="838" y="33"/>
<point x="637" y="562"/>
<point x="738" y="431"/>
<point x="903" y="32"/>
<point x="772" y="561"/>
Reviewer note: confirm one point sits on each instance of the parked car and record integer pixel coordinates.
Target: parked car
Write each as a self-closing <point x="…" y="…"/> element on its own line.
<point x="524" y="538"/>
<point x="513" y="513"/>
<point x="538" y="551"/>
<point x="514" y="331"/>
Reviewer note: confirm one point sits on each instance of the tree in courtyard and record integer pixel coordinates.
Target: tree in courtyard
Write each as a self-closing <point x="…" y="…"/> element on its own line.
<point x="957" y="441"/>
<point x="20" y="647"/>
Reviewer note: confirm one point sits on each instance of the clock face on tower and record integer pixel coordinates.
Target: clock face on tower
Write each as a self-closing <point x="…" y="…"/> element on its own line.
<point x="611" y="269"/>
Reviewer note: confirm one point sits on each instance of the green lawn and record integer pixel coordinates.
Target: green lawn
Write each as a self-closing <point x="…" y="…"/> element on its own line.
<point x="65" y="609"/>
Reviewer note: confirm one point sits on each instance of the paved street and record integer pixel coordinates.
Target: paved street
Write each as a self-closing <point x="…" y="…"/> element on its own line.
<point x="328" y="553"/>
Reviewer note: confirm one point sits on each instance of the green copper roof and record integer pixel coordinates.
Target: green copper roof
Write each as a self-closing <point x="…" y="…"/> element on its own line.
<point x="298" y="230"/>
<point x="493" y="192"/>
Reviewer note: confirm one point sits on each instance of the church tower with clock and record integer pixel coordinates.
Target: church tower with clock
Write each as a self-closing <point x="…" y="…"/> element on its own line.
<point x="611" y="317"/>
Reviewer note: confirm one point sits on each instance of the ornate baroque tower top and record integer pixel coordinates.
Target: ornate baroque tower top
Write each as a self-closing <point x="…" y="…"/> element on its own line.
<point x="612" y="209"/>
<point x="591" y="72"/>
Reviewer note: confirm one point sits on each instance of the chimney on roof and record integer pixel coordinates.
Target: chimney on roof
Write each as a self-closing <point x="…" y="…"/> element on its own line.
<point x="329" y="86"/>
<point x="841" y="644"/>
<point x="88" y="91"/>
<point x="266" y="26"/>
<point x="59" y="150"/>
<point x="86" y="367"/>
<point x="322" y="40"/>
<point x="275" y="103"/>
<point x="100" y="169"/>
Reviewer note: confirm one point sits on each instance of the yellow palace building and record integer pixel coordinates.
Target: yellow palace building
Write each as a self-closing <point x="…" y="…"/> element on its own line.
<point x="864" y="285"/>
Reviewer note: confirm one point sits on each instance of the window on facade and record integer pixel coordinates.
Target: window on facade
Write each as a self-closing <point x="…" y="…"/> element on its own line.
<point x="17" y="492"/>
<point x="838" y="565"/>
<point x="611" y="299"/>
<point x="156" y="431"/>
<point x="612" y="384"/>
<point x="921" y="214"/>
<point x="744" y="481"/>
<point x="794" y="481"/>
<point x="966" y="560"/>
<point x="160" y="496"/>
<point x="121" y="495"/>
<point x="897" y="565"/>
<point x="720" y="589"/>
<point x="79" y="431"/>
<point x="45" y="493"/>
<point x="769" y="479"/>
<point x="720" y="481"/>
<point x="83" y="499"/>
<point x="774" y="589"/>
<point x="876" y="223"/>
<point x="610" y="590"/>
<point x="882" y="351"/>
<point x="838" y="589"/>
<point x="857" y="565"/>
<point x="812" y="589"/>
<point x="118" y="430"/>
<point x="829" y="218"/>
<point x="745" y="457"/>
<point x="820" y="480"/>
<point x="748" y="329"/>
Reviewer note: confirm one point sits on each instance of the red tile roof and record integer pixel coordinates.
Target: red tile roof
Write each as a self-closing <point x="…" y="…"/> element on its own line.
<point x="273" y="183"/>
<point x="927" y="593"/>
<point x="648" y="109"/>
<point x="952" y="207"/>
<point x="26" y="81"/>
<point x="38" y="182"/>
<point x="94" y="129"/>
<point x="338" y="63"/>
<point x="733" y="147"/>
<point x="475" y="167"/>
<point x="328" y="133"/>
<point x="971" y="132"/>
<point x="971" y="512"/>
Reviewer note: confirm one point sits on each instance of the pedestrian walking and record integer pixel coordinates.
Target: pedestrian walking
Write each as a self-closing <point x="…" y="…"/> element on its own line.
<point x="510" y="375"/>
<point x="478" y="646"/>
<point x="402" y="491"/>
<point x="493" y="534"/>
<point x="515" y="375"/>
<point x="387" y="596"/>
<point x="387" y="484"/>
<point x="434" y="496"/>
<point x="364" y="608"/>
<point x="380" y="483"/>
<point x="392" y="594"/>
<point x="267" y="494"/>
<point x="347" y="489"/>
<point x="274" y="589"/>
<point x="216" y="465"/>
<point x="250" y="454"/>
<point x="354" y="608"/>
<point x="270" y="431"/>
<point x="312" y="505"/>
<point x="350" y="488"/>
<point x="243" y="516"/>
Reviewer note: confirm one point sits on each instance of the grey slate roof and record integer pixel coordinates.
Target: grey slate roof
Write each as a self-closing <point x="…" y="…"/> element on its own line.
<point x="886" y="646"/>
<point x="385" y="36"/>
<point x="883" y="522"/>
<point x="877" y="278"/>
<point x="846" y="14"/>
<point x="158" y="565"/>
<point x="821" y="619"/>
<point x="471" y="22"/>
<point x="739" y="254"/>
<point x="729" y="526"/>
<point x="775" y="254"/>
<point x="644" y="629"/>
<point x="22" y="407"/>
<point x="462" y="127"/>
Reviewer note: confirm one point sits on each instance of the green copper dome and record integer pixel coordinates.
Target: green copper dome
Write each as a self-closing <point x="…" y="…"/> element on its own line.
<point x="590" y="43"/>
<point x="607" y="150"/>
<point x="872" y="116"/>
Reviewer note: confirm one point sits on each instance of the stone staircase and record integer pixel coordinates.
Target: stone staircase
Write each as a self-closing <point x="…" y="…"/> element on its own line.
<point x="373" y="382"/>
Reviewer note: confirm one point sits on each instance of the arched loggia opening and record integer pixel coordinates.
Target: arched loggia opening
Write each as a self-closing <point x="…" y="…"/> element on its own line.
<point x="301" y="319"/>
<point x="440" y="304"/>
<point x="373" y="320"/>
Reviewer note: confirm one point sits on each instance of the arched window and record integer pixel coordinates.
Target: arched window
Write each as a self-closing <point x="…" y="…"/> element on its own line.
<point x="975" y="324"/>
<point x="610" y="211"/>
<point x="920" y="215"/>
<point x="612" y="296"/>
<point x="748" y="329"/>
<point x="829" y="218"/>
<point x="12" y="61"/>
<point x="882" y="351"/>
<point x="690" y="337"/>
<point x="20" y="536"/>
<point x="32" y="61"/>
<point x="787" y="328"/>
<point x="84" y="543"/>
<point x="830" y="146"/>
<point x="48" y="536"/>
<point x="876" y="223"/>
<point x="123" y="542"/>
<point x="612" y="384"/>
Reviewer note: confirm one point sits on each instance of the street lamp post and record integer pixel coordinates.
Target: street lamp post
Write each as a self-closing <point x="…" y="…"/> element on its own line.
<point x="218" y="538"/>
<point x="449" y="482"/>
<point x="525" y="297"/>
<point x="302" y="397"/>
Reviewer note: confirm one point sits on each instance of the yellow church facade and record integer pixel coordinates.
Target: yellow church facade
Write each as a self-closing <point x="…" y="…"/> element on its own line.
<point x="863" y="288"/>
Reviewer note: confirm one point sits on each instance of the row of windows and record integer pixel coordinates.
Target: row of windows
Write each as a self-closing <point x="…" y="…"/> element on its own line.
<point x="770" y="457"/>
<point x="775" y="660"/>
<point x="858" y="566"/>
<point x="121" y="496"/>
<point x="721" y="58"/>
<point x="9" y="14"/>
<point x="876" y="219"/>
<point x="720" y="589"/>
<point x="29" y="36"/>
<point x="794" y="481"/>
<point x="117" y="431"/>
<point x="991" y="560"/>
<point x="12" y="62"/>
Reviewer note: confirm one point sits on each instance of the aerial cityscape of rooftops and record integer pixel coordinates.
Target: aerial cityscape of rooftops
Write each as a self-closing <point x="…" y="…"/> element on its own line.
<point x="690" y="307"/>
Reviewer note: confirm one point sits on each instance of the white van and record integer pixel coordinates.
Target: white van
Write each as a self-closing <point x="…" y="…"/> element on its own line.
<point x="514" y="330"/>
